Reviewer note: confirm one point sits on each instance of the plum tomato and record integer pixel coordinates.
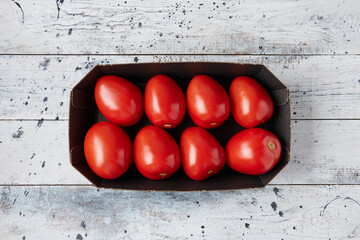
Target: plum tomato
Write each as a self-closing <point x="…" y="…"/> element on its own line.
<point x="107" y="150"/>
<point x="251" y="104"/>
<point x="202" y="154"/>
<point x="207" y="102"/>
<point x="165" y="104"/>
<point x="156" y="154"/>
<point x="253" y="151"/>
<point x="119" y="100"/>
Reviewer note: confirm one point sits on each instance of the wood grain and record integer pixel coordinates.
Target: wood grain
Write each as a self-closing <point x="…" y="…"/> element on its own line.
<point x="281" y="212"/>
<point x="323" y="152"/>
<point x="180" y="27"/>
<point x="48" y="46"/>
<point x="321" y="87"/>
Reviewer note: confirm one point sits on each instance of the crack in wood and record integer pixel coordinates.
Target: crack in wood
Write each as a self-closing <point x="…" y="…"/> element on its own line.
<point x="58" y="3"/>
<point x="22" y="11"/>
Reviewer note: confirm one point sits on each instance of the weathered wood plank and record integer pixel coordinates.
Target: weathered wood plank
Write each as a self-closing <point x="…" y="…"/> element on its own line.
<point x="321" y="87"/>
<point x="323" y="152"/>
<point x="281" y="212"/>
<point x="180" y="26"/>
<point x="36" y="152"/>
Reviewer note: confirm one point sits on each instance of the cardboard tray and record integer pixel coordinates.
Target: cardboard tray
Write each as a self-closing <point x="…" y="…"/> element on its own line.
<point x="84" y="113"/>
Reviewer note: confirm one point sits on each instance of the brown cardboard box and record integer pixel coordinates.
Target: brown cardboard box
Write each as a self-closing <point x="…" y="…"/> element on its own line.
<point x="84" y="113"/>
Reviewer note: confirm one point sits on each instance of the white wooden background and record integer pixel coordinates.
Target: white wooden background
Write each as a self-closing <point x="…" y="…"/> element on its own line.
<point x="46" y="47"/>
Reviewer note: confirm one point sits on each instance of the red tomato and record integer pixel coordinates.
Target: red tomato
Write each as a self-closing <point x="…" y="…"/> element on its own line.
<point x="202" y="154"/>
<point x="251" y="104"/>
<point x="119" y="100"/>
<point x="165" y="103"/>
<point x="107" y="150"/>
<point x="207" y="102"/>
<point x="253" y="151"/>
<point x="156" y="153"/>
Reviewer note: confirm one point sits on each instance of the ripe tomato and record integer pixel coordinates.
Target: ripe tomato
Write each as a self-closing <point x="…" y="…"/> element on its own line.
<point x="107" y="150"/>
<point x="165" y="103"/>
<point x="207" y="102"/>
<point x="251" y="104"/>
<point x="202" y="154"/>
<point x="119" y="100"/>
<point x="253" y="151"/>
<point x="156" y="153"/>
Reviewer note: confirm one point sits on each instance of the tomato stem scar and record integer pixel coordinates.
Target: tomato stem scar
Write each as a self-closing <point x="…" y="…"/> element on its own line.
<point x="167" y="125"/>
<point x="162" y="174"/>
<point x="210" y="171"/>
<point x="213" y="123"/>
<point x="271" y="146"/>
